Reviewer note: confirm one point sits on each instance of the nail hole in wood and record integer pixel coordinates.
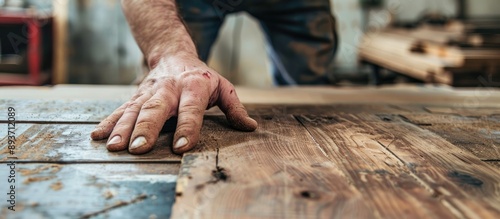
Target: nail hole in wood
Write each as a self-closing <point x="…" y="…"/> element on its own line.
<point x="309" y="195"/>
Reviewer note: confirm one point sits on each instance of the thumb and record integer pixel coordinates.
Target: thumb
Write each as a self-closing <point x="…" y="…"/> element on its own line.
<point x="235" y="112"/>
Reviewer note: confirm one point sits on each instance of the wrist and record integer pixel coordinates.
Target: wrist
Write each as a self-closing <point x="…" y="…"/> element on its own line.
<point x="175" y="58"/>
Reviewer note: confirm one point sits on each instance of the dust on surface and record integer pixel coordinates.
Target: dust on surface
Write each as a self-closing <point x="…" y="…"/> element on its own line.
<point x="109" y="194"/>
<point x="38" y="140"/>
<point x="56" y="186"/>
<point x="51" y="168"/>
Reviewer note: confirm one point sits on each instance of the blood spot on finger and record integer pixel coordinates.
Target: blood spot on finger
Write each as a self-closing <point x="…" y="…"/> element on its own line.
<point x="207" y="74"/>
<point x="231" y="92"/>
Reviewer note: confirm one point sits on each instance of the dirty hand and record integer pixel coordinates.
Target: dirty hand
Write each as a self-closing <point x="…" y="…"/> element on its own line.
<point x="182" y="87"/>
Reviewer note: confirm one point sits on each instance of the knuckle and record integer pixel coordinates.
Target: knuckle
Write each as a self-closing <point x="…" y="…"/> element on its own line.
<point x="150" y="82"/>
<point x="134" y="106"/>
<point x="145" y="126"/>
<point x="153" y="104"/>
<point x="167" y="82"/>
<point x="123" y="125"/>
<point x="188" y="126"/>
<point x="191" y="109"/>
<point x="135" y="97"/>
<point x="227" y="85"/>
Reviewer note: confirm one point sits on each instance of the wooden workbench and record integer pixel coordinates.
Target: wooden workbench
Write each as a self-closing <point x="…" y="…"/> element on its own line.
<point x="390" y="152"/>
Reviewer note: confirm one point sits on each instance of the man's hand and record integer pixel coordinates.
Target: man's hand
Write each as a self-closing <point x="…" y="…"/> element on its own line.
<point x="179" y="86"/>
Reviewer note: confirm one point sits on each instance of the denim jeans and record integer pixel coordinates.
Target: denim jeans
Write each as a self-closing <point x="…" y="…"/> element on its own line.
<point x="301" y="34"/>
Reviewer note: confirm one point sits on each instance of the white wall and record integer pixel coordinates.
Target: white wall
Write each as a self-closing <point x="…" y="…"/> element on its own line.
<point x="409" y="10"/>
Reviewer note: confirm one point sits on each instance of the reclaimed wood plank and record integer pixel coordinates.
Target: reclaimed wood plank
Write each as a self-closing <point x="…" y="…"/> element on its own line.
<point x="91" y="190"/>
<point x="468" y="186"/>
<point x="71" y="111"/>
<point x="464" y="111"/>
<point x="480" y="139"/>
<point x="477" y="134"/>
<point x="320" y="109"/>
<point x="278" y="171"/>
<point x="93" y="111"/>
<point x="72" y="143"/>
<point x="428" y="119"/>
<point x="375" y="171"/>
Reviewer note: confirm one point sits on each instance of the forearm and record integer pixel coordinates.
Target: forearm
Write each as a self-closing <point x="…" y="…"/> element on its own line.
<point x="158" y="29"/>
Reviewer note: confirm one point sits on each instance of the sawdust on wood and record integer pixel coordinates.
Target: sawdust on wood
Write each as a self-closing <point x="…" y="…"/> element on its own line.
<point x="37" y="179"/>
<point x="56" y="186"/>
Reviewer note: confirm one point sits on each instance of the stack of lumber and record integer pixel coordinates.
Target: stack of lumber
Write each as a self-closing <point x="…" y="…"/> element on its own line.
<point x="454" y="55"/>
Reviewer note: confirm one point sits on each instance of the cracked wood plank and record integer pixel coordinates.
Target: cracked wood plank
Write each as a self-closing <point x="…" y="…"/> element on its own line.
<point x="468" y="186"/>
<point x="98" y="190"/>
<point x="494" y="164"/>
<point x="379" y="175"/>
<point x="277" y="171"/>
<point x="71" y="143"/>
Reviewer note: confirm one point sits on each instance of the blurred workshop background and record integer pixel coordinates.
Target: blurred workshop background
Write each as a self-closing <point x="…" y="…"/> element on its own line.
<point x="454" y="42"/>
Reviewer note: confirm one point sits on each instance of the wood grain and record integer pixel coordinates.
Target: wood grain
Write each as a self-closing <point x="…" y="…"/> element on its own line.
<point x="397" y="168"/>
<point x="69" y="111"/>
<point x="466" y="185"/>
<point x="276" y="171"/>
<point x="476" y="134"/>
<point x="464" y="111"/>
<point x="494" y="164"/>
<point x="380" y="176"/>
<point x="72" y="143"/>
<point x="93" y="111"/>
<point x="480" y="139"/>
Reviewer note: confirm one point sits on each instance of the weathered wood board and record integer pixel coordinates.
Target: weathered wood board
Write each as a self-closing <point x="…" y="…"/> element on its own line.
<point x="304" y="161"/>
<point x="383" y="179"/>
<point x="382" y="166"/>
<point x="460" y="179"/>
<point x="63" y="143"/>
<point x="69" y="111"/>
<point x="93" y="111"/>
<point x="479" y="135"/>
<point x="90" y="190"/>
<point x="463" y="183"/>
<point x="464" y="111"/>
<point x="277" y="171"/>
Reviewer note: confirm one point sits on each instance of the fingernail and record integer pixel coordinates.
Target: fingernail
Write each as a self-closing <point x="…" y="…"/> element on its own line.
<point x="181" y="142"/>
<point x="115" y="140"/>
<point x="138" y="142"/>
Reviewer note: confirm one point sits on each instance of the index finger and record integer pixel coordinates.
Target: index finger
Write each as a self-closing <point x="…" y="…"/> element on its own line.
<point x="153" y="115"/>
